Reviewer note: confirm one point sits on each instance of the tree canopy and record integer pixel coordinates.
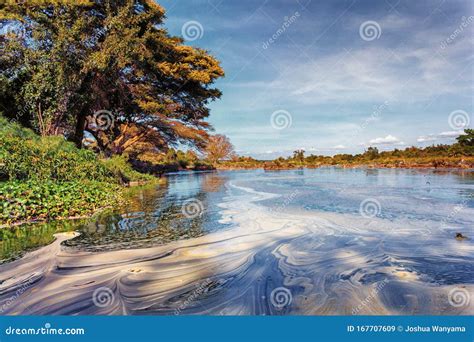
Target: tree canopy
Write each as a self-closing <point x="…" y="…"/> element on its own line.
<point x="466" y="139"/>
<point x="62" y="62"/>
<point x="218" y="147"/>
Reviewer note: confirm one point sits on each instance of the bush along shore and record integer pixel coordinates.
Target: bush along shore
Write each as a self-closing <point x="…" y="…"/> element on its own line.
<point x="48" y="178"/>
<point x="45" y="178"/>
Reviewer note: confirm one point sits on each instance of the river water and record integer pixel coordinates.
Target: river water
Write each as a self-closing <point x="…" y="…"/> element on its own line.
<point x="304" y="242"/>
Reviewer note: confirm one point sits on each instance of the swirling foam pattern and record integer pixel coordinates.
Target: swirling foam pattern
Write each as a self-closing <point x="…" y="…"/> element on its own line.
<point x="324" y="263"/>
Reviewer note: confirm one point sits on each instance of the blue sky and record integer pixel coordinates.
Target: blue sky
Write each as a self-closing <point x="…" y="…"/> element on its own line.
<point x="335" y="76"/>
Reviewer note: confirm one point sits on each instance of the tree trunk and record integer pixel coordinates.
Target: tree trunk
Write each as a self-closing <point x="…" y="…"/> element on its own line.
<point x="82" y="112"/>
<point x="79" y="131"/>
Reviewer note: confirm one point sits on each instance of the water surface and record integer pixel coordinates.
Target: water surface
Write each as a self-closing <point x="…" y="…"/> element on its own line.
<point x="323" y="241"/>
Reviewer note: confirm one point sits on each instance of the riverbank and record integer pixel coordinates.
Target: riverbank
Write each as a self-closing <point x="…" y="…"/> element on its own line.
<point x="461" y="162"/>
<point x="114" y="196"/>
<point x="48" y="178"/>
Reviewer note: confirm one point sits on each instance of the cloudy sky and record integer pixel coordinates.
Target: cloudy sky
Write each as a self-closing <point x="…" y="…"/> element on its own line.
<point x="335" y="76"/>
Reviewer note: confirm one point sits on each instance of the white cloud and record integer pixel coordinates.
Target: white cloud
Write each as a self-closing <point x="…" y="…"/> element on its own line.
<point x="364" y="73"/>
<point x="388" y="140"/>
<point x="340" y="147"/>
<point x="451" y="134"/>
<point x="426" y="138"/>
<point x="440" y="136"/>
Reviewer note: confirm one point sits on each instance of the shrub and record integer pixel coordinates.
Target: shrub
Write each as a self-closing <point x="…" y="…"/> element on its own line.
<point x="120" y="168"/>
<point x="43" y="178"/>
<point x="26" y="156"/>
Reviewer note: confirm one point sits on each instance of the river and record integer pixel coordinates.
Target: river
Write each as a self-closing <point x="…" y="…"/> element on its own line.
<point x="326" y="241"/>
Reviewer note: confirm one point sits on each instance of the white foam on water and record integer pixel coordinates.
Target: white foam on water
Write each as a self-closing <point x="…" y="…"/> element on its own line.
<point x="330" y="263"/>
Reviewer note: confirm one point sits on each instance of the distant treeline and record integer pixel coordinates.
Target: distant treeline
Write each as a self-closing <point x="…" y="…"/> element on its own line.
<point x="459" y="154"/>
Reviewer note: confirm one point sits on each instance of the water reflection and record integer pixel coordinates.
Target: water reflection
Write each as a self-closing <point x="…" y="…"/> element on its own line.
<point x="15" y="241"/>
<point x="153" y="216"/>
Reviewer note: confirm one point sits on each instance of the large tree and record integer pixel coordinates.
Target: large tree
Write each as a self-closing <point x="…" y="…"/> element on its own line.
<point x="63" y="62"/>
<point x="218" y="147"/>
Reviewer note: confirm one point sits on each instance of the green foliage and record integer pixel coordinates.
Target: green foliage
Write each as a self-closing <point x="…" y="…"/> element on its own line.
<point x="172" y="160"/>
<point x="72" y="58"/>
<point x="34" y="200"/>
<point x="466" y="141"/>
<point x="49" y="178"/>
<point x="25" y="156"/>
<point x="121" y="169"/>
<point x="371" y="153"/>
<point x="298" y="156"/>
<point x="430" y="156"/>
